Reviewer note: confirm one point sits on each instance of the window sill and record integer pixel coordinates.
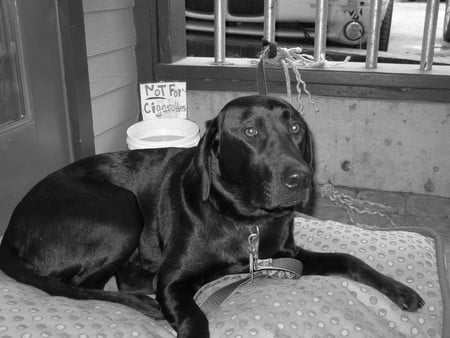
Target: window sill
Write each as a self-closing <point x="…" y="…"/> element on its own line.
<point x="352" y="79"/>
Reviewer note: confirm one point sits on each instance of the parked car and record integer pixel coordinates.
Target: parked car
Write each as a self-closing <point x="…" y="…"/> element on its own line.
<point x="447" y="22"/>
<point x="347" y="21"/>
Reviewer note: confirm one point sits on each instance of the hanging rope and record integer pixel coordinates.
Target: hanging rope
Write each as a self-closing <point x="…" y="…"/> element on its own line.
<point x="294" y="58"/>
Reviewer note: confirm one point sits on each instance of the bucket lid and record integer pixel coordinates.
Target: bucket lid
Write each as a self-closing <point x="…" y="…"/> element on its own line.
<point x="163" y="133"/>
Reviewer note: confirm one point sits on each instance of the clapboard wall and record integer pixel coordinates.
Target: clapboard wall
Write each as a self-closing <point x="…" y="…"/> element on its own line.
<point x="110" y="43"/>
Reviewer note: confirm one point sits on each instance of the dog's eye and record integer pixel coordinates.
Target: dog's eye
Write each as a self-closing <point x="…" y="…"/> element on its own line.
<point x="251" y="131"/>
<point x="295" y="128"/>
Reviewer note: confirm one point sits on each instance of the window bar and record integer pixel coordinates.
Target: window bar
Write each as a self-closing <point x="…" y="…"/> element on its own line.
<point x="429" y="35"/>
<point x="373" y="36"/>
<point x="269" y="20"/>
<point x="219" y="31"/>
<point x="321" y="30"/>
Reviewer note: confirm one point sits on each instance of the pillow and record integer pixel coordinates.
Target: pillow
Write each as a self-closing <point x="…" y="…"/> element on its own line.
<point x="312" y="306"/>
<point x="333" y="306"/>
<point x="27" y="312"/>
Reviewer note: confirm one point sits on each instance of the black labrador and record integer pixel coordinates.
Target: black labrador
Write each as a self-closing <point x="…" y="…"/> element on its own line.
<point x="166" y="221"/>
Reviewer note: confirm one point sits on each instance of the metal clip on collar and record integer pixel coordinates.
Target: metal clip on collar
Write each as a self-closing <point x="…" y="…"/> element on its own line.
<point x="280" y="267"/>
<point x="253" y="246"/>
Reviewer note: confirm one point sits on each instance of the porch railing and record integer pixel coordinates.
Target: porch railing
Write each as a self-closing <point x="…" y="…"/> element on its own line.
<point x="429" y="31"/>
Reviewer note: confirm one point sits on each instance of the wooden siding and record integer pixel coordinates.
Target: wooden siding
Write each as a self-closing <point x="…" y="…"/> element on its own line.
<point x="110" y="44"/>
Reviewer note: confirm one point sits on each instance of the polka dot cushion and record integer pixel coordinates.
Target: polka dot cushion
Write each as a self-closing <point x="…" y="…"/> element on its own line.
<point x="311" y="306"/>
<point x="316" y="306"/>
<point x="27" y="312"/>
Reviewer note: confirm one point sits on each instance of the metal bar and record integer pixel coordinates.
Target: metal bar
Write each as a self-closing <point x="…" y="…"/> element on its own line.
<point x="429" y="35"/>
<point x="373" y="36"/>
<point x="219" y="31"/>
<point x="270" y="7"/>
<point x="320" y="39"/>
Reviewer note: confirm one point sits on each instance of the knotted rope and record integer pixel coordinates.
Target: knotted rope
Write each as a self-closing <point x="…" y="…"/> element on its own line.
<point x="294" y="58"/>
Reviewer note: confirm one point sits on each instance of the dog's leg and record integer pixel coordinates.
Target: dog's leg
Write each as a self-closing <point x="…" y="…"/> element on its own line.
<point x="133" y="278"/>
<point x="351" y="267"/>
<point x="175" y="294"/>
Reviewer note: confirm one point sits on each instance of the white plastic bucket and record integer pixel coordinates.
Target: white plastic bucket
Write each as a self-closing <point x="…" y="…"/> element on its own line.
<point x="163" y="133"/>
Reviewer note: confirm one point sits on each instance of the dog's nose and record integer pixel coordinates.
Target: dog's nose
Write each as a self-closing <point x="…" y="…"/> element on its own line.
<point x="294" y="178"/>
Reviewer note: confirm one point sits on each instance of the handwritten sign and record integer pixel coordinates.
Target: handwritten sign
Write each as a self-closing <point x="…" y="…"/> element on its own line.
<point x="163" y="100"/>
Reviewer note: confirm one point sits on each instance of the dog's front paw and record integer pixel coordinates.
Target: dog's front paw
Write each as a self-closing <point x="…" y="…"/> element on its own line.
<point x="404" y="296"/>
<point x="193" y="328"/>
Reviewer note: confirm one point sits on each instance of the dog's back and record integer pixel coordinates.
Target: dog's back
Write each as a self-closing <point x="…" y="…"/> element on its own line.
<point x="72" y="209"/>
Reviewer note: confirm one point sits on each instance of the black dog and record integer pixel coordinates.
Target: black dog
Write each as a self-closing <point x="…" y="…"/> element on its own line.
<point x="166" y="221"/>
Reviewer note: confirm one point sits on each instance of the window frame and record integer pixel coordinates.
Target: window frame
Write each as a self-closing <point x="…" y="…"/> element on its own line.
<point x="164" y="20"/>
<point x="76" y="77"/>
<point x="12" y="31"/>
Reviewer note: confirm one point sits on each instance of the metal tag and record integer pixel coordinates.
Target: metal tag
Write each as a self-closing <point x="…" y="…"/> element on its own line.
<point x="253" y="244"/>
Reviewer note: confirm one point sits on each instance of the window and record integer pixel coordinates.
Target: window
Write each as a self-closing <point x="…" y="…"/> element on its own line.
<point x="351" y="79"/>
<point x="12" y="104"/>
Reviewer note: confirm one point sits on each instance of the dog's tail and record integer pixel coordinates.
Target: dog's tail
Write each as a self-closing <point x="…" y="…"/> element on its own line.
<point x="14" y="267"/>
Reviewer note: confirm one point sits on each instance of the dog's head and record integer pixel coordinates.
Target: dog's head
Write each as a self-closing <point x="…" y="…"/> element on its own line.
<point x="259" y="150"/>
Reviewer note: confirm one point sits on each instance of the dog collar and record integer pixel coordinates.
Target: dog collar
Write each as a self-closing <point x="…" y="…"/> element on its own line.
<point x="278" y="267"/>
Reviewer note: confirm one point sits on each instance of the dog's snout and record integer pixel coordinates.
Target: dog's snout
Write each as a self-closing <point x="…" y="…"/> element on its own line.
<point x="294" y="178"/>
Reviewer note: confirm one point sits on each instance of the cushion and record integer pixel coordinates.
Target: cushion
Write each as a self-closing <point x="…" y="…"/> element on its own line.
<point x="312" y="306"/>
<point x="332" y="306"/>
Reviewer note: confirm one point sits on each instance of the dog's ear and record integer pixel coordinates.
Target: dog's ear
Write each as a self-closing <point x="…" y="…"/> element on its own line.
<point x="207" y="148"/>
<point x="308" y="148"/>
